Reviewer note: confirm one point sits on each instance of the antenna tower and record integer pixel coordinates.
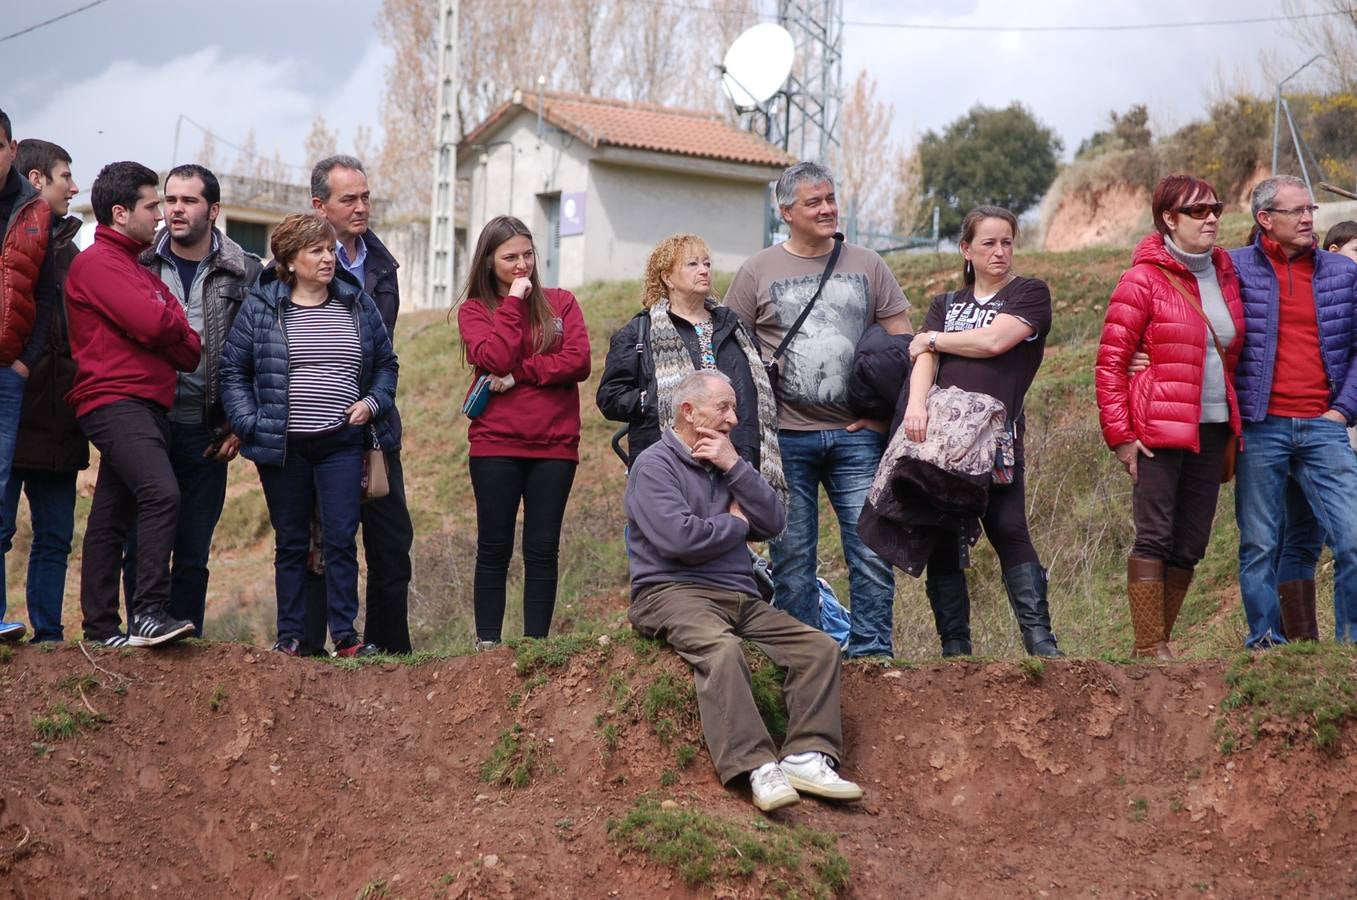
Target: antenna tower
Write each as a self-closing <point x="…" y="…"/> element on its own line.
<point x="807" y="127"/>
<point x="443" y="199"/>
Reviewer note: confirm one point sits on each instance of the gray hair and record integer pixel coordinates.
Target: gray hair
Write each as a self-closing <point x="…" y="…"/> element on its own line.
<point x="1265" y="193"/>
<point x="320" y="175"/>
<point x="696" y="385"/>
<point x="802" y="173"/>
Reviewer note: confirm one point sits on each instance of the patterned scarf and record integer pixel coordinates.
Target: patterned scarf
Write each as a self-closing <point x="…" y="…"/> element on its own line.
<point x="672" y="362"/>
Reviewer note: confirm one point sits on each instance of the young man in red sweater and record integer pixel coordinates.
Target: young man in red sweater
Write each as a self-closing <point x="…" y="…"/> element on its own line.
<point x="130" y="338"/>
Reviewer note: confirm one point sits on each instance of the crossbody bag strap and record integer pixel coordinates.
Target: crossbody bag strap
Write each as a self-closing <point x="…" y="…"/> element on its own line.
<point x="800" y="320"/>
<point x="1193" y="302"/>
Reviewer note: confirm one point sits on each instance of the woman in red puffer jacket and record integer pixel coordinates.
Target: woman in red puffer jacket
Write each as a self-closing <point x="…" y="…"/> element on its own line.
<point x="1171" y="424"/>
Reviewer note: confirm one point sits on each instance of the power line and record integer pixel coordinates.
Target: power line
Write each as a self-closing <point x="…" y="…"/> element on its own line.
<point x="1141" y="26"/>
<point x="239" y="149"/>
<point x="65" y="15"/>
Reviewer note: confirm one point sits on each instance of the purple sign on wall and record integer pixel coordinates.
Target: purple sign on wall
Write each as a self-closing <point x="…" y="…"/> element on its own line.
<point x="572" y="213"/>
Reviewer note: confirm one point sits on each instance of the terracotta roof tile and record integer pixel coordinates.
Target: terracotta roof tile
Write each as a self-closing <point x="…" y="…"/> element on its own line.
<point x="685" y="132"/>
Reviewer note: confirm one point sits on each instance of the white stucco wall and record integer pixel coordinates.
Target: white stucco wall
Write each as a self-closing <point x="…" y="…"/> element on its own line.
<point x="642" y="206"/>
<point x="555" y="163"/>
<point x="633" y="199"/>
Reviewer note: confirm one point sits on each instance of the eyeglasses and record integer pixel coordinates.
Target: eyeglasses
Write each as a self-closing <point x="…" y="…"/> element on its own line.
<point x="1297" y="211"/>
<point x="1202" y="210"/>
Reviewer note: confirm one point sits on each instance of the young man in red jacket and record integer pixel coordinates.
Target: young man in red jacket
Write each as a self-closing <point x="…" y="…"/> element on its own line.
<point x="130" y="338"/>
<point x="28" y="294"/>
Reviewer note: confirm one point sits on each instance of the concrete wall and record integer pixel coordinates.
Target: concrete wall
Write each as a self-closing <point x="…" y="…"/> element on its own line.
<point x="633" y="199"/>
<point x="514" y="179"/>
<point x="409" y="243"/>
<point x="642" y="206"/>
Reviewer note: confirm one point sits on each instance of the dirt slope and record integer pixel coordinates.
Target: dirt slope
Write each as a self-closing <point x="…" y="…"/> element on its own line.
<point x="225" y="771"/>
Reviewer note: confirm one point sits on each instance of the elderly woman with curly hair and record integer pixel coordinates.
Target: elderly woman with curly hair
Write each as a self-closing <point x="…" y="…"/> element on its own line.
<point x="682" y="328"/>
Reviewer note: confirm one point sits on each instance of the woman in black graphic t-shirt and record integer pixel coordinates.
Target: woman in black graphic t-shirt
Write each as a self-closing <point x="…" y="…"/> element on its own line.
<point x="989" y="338"/>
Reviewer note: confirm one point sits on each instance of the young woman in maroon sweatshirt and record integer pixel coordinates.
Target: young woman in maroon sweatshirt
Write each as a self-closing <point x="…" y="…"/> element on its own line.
<point x="533" y="344"/>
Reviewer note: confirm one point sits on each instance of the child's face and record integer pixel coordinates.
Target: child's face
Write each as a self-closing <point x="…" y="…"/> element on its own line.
<point x="1349" y="249"/>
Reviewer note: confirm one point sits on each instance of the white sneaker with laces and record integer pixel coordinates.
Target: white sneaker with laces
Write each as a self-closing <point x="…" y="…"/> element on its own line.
<point x="811" y="773"/>
<point x="770" y="787"/>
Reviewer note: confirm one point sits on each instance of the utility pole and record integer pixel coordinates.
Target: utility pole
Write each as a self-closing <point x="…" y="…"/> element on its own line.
<point x="442" y="230"/>
<point x="1277" y="113"/>
<point x="809" y="125"/>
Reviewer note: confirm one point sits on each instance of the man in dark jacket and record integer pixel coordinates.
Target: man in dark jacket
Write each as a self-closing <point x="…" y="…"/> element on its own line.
<point x="339" y="191"/>
<point x="210" y="274"/>
<point x="692" y="503"/>
<point x="51" y="447"/>
<point x="28" y="293"/>
<point x="129" y="338"/>
<point x="1297" y="389"/>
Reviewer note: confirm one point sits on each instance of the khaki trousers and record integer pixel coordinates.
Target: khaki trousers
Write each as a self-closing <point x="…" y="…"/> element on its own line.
<point x="705" y="625"/>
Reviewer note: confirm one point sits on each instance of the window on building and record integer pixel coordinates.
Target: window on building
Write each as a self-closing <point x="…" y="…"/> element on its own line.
<point x="253" y="236"/>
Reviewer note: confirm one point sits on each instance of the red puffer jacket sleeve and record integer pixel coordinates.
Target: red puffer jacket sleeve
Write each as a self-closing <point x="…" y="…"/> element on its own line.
<point x="1128" y="315"/>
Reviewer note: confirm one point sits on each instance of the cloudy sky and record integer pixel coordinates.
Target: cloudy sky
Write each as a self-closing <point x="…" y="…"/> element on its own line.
<point x="114" y="81"/>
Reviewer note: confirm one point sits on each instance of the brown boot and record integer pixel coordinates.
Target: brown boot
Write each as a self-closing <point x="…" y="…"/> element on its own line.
<point x="1298" y="610"/>
<point x="1145" y="591"/>
<point x="1176" y="583"/>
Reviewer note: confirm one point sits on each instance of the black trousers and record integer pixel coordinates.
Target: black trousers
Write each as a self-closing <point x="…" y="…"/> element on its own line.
<point x="543" y="488"/>
<point x="388" y="535"/>
<point x="1005" y="524"/>
<point x="1174" y="500"/>
<point x="136" y="487"/>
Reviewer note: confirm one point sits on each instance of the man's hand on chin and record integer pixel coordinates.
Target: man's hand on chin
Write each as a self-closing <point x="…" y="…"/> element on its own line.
<point x="714" y="447"/>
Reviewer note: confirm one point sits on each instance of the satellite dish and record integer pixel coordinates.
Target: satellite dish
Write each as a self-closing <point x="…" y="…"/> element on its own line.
<point x="757" y="64"/>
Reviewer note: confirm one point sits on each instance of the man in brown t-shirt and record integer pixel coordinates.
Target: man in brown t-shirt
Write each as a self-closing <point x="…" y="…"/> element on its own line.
<point x="822" y="441"/>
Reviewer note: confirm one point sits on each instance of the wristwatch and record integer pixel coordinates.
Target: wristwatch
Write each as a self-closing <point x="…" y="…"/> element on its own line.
<point x="932" y="342"/>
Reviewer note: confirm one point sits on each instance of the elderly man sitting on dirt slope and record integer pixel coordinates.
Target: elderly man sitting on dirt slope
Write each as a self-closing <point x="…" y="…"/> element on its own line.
<point x="692" y="503"/>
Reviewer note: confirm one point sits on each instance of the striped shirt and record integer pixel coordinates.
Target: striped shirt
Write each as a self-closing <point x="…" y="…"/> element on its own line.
<point x="323" y="359"/>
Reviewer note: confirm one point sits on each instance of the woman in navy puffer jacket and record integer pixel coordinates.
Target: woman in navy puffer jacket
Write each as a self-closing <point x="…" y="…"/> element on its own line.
<point x="1170" y="424"/>
<point x="308" y="378"/>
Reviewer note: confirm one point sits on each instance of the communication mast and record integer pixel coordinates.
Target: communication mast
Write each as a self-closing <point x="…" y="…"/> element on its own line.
<point x="808" y="126"/>
<point x="442" y="234"/>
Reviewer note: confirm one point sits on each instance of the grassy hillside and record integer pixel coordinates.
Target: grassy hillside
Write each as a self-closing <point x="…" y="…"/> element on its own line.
<point x="1079" y="499"/>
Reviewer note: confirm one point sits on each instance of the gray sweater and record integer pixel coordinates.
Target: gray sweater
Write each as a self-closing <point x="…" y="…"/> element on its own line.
<point x="1215" y="405"/>
<point x="679" y="522"/>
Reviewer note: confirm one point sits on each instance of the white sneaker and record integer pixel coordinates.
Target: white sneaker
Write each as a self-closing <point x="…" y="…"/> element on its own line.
<point x="811" y="772"/>
<point x="770" y="787"/>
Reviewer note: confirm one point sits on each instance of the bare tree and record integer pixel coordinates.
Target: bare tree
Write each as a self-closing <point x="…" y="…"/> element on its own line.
<point x="321" y="142"/>
<point x="207" y="151"/>
<point x="863" y="161"/>
<point x="362" y="143"/>
<point x="589" y="44"/>
<point x="650" y="52"/>
<point x="909" y="212"/>
<point x="247" y="156"/>
<point x="1329" y="28"/>
<point x="403" y="171"/>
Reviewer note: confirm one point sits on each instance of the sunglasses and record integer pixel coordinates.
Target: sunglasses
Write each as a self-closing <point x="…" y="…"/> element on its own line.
<point x="1202" y="210"/>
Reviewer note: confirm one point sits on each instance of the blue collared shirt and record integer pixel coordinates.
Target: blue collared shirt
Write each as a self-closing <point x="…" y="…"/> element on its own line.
<point x="356" y="267"/>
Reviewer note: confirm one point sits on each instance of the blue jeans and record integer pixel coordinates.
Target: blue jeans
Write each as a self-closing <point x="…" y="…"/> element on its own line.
<point x="11" y="406"/>
<point x="845" y="463"/>
<point x="202" y="493"/>
<point x="1302" y="540"/>
<point x="51" y="505"/>
<point x="319" y="472"/>
<point x="1314" y="452"/>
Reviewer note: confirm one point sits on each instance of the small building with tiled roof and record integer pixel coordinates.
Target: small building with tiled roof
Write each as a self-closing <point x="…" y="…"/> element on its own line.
<point x="600" y="182"/>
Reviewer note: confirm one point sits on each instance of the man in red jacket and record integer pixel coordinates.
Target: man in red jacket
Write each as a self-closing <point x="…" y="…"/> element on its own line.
<point x="28" y="294"/>
<point x="130" y="338"/>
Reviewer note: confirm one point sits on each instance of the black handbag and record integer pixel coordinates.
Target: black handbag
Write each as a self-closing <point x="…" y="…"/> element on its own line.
<point x="771" y="366"/>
